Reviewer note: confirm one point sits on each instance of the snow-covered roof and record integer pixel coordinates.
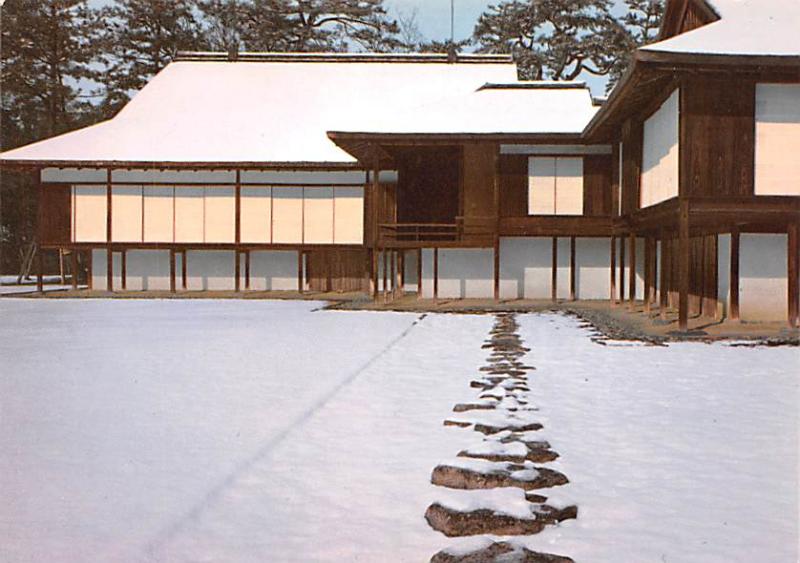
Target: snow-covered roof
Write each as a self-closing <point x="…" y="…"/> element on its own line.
<point x="509" y="108"/>
<point x="745" y="27"/>
<point x="273" y="109"/>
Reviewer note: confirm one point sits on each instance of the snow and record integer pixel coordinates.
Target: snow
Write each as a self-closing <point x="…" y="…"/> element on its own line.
<point x="260" y="111"/>
<point x="745" y="27"/>
<point x="204" y="430"/>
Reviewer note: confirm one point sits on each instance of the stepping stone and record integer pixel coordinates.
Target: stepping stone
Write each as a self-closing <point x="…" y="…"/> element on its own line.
<point x="515" y="451"/>
<point x="488" y="429"/>
<point x="499" y="552"/>
<point x="485" y="404"/>
<point x="455" y="523"/>
<point x="467" y="473"/>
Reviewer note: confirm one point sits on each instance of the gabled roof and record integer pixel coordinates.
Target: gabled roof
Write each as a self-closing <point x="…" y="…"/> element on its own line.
<point x="744" y="27"/>
<point x="264" y="108"/>
<point x="515" y="108"/>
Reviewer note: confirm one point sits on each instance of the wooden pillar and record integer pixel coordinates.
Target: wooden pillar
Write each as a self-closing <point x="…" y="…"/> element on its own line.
<point x="385" y="275"/>
<point x="393" y="268"/>
<point x="73" y="266"/>
<point x="419" y="273"/>
<point x="401" y="269"/>
<point x="124" y="269"/>
<point x="40" y="270"/>
<point x="613" y="284"/>
<point x="683" y="266"/>
<point x="237" y="271"/>
<point x="663" y="294"/>
<point x="436" y="272"/>
<point x="621" y="270"/>
<point x="573" y="274"/>
<point x="733" y="278"/>
<point x="632" y="269"/>
<point x="373" y="264"/>
<point x="184" y="267"/>
<point x="89" y="270"/>
<point x="793" y="252"/>
<point x="247" y="269"/>
<point x="648" y="274"/>
<point x="109" y="253"/>
<point x="497" y="268"/>
<point x="300" y="280"/>
<point x="172" y="284"/>
<point x="554" y="270"/>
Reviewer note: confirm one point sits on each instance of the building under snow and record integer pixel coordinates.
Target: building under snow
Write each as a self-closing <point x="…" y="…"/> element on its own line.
<point x="450" y="177"/>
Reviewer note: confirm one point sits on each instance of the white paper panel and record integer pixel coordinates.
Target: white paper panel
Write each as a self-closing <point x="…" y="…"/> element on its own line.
<point x="90" y="208"/>
<point x="287" y="215"/>
<point x="318" y="215"/>
<point x="189" y="214"/>
<point x="220" y="215"/>
<point x="777" y="139"/>
<point x="256" y="214"/>
<point x="569" y="186"/>
<point x="660" y="153"/>
<point x="126" y="213"/>
<point x="541" y="185"/>
<point x="158" y="213"/>
<point x="348" y="216"/>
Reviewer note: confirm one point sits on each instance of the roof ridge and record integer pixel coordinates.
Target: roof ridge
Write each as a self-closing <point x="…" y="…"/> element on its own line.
<point x="246" y="56"/>
<point x="535" y="85"/>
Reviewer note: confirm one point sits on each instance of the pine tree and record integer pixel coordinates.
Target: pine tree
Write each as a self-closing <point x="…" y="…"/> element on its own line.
<point x="140" y="38"/>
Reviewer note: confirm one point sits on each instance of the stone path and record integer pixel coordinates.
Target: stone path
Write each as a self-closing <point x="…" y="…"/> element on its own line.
<point x="509" y="457"/>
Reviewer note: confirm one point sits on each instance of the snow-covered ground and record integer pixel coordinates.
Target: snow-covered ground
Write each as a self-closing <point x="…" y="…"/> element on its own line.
<point x="204" y="430"/>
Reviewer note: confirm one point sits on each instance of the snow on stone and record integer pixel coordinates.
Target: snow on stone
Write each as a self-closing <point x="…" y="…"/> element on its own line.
<point x="745" y="27"/>
<point x="497" y="448"/>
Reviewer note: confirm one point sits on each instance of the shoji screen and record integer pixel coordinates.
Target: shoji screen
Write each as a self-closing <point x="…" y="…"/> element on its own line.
<point x="89" y="213"/>
<point x="287" y="215"/>
<point x="569" y="186"/>
<point x="256" y="214"/>
<point x="541" y="185"/>
<point x="126" y="213"/>
<point x="318" y="215"/>
<point x="189" y="213"/>
<point x="348" y="227"/>
<point x="158" y="213"/>
<point x="777" y="139"/>
<point x="220" y="214"/>
<point x="660" y="153"/>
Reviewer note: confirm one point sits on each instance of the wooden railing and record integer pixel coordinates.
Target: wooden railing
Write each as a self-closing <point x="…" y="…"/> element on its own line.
<point x="464" y="230"/>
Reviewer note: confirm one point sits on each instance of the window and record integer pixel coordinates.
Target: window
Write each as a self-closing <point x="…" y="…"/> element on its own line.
<point x="555" y="186"/>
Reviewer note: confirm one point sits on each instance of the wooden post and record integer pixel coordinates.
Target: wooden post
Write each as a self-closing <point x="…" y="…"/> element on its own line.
<point x="246" y="269"/>
<point x="124" y="269"/>
<point x="40" y="270"/>
<point x="183" y="269"/>
<point x="172" y="284"/>
<point x="648" y="274"/>
<point x="683" y="266"/>
<point x="733" y="280"/>
<point x="613" y="284"/>
<point x="401" y="268"/>
<point x="109" y="253"/>
<point x="632" y="269"/>
<point x="419" y="273"/>
<point x="622" y="270"/>
<point x="554" y="271"/>
<point x="385" y="275"/>
<point x="573" y="274"/>
<point x="373" y="264"/>
<point x="793" y="251"/>
<point x="497" y="268"/>
<point x="73" y="266"/>
<point x="393" y="267"/>
<point x="238" y="208"/>
<point x="237" y="271"/>
<point x="300" y="284"/>
<point x="663" y="294"/>
<point x="435" y="272"/>
<point x="89" y="270"/>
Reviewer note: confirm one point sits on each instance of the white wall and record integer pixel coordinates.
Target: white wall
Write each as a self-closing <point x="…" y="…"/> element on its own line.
<point x="627" y="271"/>
<point x="272" y="270"/>
<point x="777" y="139"/>
<point x="210" y="270"/>
<point x="660" y="153"/>
<point x="593" y="265"/>
<point x="762" y="277"/>
<point x="525" y="267"/>
<point x="148" y="270"/>
<point x="463" y="273"/>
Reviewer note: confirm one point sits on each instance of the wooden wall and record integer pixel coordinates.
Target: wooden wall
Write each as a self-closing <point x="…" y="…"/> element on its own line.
<point x="717" y="145"/>
<point x="333" y="269"/>
<point x="478" y="174"/>
<point x="597" y="185"/>
<point x="513" y="185"/>
<point x="54" y="213"/>
<point x="632" y="138"/>
<point x="428" y="187"/>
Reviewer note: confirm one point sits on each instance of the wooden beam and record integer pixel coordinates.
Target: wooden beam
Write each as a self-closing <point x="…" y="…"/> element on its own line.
<point x="573" y="274"/>
<point x="435" y="273"/>
<point x="613" y="283"/>
<point x="733" y="278"/>
<point x="73" y="266"/>
<point x="554" y="270"/>
<point x="793" y="251"/>
<point x="419" y="273"/>
<point x="683" y="266"/>
<point x="632" y="269"/>
<point x="497" y="268"/>
<point x="172" y="284"/>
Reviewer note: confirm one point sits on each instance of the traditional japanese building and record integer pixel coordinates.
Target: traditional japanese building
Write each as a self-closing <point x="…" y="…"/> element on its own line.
<point x="449" y="177"/>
